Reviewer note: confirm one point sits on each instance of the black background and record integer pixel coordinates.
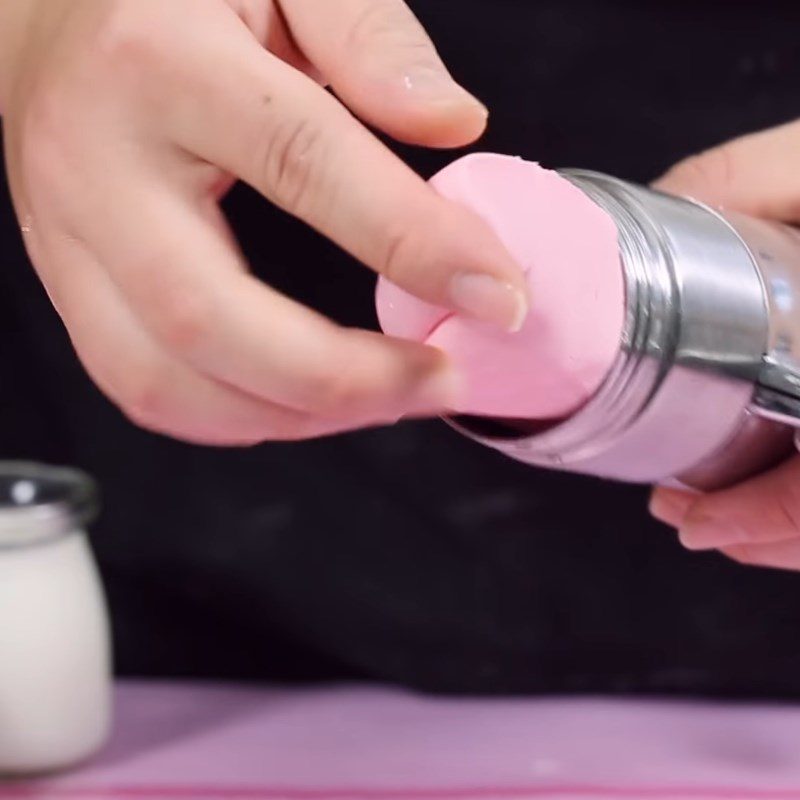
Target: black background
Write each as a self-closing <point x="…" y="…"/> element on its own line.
<point x="409" y="555"/>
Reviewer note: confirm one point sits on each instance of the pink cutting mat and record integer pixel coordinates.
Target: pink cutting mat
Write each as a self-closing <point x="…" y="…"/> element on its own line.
<point x="185" y="742"/>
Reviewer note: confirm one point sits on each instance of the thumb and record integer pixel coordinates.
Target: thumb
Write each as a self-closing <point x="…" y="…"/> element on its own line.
<point x="761" y="510"/>
<point x="757" y="174"/>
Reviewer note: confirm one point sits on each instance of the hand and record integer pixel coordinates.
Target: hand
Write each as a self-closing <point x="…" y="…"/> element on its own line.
<point x="758" y="521"/>
<point x="126" y="121"/>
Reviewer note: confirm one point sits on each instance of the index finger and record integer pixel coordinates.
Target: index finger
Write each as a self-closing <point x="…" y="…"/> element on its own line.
<point x="380" y="60"/>
<point x="756" y="174"/>
<point x="189" y="287"/>
<point x="284" y="135"/>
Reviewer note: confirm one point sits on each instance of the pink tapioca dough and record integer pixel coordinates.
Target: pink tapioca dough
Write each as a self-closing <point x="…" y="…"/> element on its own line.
<point x="568" y="248"/>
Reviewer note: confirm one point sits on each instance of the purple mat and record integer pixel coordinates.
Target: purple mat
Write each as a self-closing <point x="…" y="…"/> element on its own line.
<point x="225" y="743"/>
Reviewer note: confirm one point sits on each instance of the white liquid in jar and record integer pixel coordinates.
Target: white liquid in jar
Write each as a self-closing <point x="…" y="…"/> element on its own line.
<point x="54" y="649"/>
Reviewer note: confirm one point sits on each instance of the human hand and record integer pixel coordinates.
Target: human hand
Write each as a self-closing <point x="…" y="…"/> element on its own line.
<point x="758" y="521"/>
<point x="127" y="120"/>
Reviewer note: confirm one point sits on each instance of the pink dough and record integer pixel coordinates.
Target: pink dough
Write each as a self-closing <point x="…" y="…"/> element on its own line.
<point x="567" y="246"/>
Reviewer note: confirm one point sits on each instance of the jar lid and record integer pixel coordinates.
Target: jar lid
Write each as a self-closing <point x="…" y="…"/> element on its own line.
<point x="40" y="503"/>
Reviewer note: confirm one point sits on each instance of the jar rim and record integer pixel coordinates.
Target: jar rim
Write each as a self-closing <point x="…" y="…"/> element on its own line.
<point x="40" y="503"/>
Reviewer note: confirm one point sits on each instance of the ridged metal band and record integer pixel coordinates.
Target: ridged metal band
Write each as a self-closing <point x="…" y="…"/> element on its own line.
<point x="691" y="351"/>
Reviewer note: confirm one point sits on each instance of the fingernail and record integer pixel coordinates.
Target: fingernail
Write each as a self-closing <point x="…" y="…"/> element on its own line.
<point x="488" y="299"/>
<point x="670" y="506"/>
<point x="435" y="84"/>
<point x="710" y="534"/>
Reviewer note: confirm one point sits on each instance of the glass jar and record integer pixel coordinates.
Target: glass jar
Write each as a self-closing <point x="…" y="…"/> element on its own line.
<point x="55" y="664"/>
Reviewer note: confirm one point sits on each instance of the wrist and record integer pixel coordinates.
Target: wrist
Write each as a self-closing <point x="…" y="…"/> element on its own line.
<point x="15" y="18"/>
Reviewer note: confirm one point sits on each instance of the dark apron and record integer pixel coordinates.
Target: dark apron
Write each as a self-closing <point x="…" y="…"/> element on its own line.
<point x="407" y="554"/>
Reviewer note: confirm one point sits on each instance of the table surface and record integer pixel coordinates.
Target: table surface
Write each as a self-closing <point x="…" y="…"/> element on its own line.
<point x="188" y="742"/>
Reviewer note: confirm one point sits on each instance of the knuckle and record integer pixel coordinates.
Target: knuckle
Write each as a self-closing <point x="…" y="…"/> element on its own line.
<point x="183" y="318"/>
<point x="293" y="165"/>
<point x="125" y="37"/>
<point x="331" y="390"/>
<point x="327" y="391"/>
